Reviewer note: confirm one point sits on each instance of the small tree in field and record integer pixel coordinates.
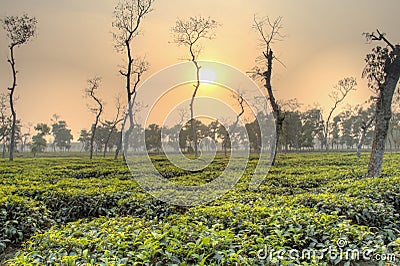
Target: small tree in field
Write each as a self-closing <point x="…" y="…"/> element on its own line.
<point x="341" y="90"/>
<point x="383" y="72"/>
<point x="20" y="30"/>
<point x="94" y="84"/>
<point x="189" y="33"/>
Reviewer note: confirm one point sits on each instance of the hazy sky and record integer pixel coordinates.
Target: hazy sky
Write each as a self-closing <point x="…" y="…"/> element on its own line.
<point x="323" y="44"/>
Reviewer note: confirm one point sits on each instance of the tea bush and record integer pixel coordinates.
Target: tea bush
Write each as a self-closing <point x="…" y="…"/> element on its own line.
<point x="99" y="215"/>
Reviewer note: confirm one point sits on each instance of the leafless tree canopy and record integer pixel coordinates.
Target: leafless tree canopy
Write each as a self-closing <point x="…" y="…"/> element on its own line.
<point x="275" y="27"/>
<point x="341" y="90"/>
<point x="290" y="105"/>
<point x="128" y="16"/>
<point x="188" y="33"/>
<point x="93" y="86"/>
<point x="269" y="33"/>
<point x="339" y="93"/>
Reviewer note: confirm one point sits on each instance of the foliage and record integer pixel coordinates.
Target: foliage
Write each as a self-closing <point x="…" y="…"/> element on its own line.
<point x="62" y="135"/>
<point x="39" y="143"/>
<point x="21" y="217"/>
<point x="103" y="218"/>
<point x="20" y="29"/>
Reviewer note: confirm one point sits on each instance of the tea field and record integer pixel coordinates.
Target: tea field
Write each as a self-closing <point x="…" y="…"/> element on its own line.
<point x="312" y="209"/>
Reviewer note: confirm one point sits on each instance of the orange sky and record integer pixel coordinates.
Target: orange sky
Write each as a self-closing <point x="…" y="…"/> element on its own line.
<point x="74" y="43"/>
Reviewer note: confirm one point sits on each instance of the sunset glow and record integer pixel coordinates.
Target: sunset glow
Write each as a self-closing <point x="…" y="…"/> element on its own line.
<point x="74" y="42"/>
<point x="207" y="75"/>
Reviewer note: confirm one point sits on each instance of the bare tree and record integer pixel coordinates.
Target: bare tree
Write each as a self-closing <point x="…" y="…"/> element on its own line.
<point x="94" y="85"/>
<point x="189" y="33"/>
<point x="339" y="93"/>
<point x="241" y="102"/>
<point x="112" y="125"/>
<point x="269" y="32"/>
<point x="290" y="105"/>
<point x="128" y="16"/>
<point x="20" y="30"/>
<point x="182" y="113"/>
<point x="228" y="133"/>
<point x="382" y="71"/>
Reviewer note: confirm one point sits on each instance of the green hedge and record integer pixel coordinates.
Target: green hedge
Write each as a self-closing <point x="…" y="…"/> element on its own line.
<point x="306" y="201"/>
<point x="20" y="218"/>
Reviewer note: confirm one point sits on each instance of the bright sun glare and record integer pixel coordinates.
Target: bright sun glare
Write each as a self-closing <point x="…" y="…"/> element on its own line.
<point x="207" y="75"/>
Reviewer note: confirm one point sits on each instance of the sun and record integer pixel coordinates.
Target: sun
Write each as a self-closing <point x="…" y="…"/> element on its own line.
<point x="207" y="75"/>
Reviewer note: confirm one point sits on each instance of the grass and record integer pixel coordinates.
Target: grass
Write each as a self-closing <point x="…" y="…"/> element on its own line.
<point x="72" y="211"/>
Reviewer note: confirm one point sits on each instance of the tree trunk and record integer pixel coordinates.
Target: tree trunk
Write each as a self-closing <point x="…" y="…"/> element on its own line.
<point x="118" y="145"/>
<point x="275" y="107"/>
<point x="327" y="143"/>
<point x="13" y="123"/>
<point x="128" y="132"/>
<point x="278" y="130"/>
<point x="383" y="116"/>
<point x="361" y="142"/>
<point x="391" y="138"/>
<point x="13" y="113"/>
<point x="106" y="143"/>
<point x="92" y="141"/>
<point x="196" y="87"/>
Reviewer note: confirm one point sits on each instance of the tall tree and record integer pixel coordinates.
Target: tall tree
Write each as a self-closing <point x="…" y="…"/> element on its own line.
<point x="128" y="16"/>
<point x="189" y="33"/>
<point x="339" y="93"/>
<point x="382" y="71"/>
<point x="269" y="32"/>
<point x="20" y="30"/>
<point x="94" y="84"/>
